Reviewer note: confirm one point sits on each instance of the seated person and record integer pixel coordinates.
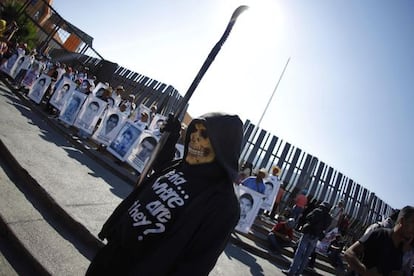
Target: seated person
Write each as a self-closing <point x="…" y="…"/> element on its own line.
<point x="334" y="254"/>
<point x="281" y="235"/>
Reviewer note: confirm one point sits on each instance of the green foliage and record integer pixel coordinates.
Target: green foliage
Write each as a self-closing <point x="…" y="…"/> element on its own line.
<point x="27" y="31"/>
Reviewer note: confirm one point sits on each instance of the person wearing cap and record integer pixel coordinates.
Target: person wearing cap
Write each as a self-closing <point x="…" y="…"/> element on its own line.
<point x="256" y="183"/>
<point x="316" y="223"/>
<point x="276" y="171"/>
<point x="380" y="252"/>
<point x="142" y="121"/>
<point x="281" y="235"/>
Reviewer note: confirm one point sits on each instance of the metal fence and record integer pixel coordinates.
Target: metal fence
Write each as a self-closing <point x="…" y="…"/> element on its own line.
<point x="302" y="171"/>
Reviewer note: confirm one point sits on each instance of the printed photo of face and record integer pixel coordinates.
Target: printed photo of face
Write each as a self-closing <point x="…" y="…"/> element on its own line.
<point x="85" y="86"/>
<point x="122" y="144"/>
<point x="146" y="147"/>
<point x="90" y="112"/>
<point x="39" y="87"/>
<point x="111" y="123"/>
<point x="62" y="93"/>
<point x="246" y="204"/>
<point x="126" y="138"/>
<point x="72" y="108"/>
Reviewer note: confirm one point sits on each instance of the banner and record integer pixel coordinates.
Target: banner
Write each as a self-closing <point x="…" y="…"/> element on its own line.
<point x="125" y="140"/>
<point x="72" y="106"/>
<point x="111" y="124"/>
<point x="250" y="203"/>
<point x="39" y="88"/>
<point x="142" y="151"/>
<point x="272" y="185"/>
<point x="90" y="113"/>
<point x="65" y="87"/>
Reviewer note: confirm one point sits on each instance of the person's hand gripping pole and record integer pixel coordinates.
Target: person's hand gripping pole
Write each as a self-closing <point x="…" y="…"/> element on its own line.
<point x="183" y="103"/>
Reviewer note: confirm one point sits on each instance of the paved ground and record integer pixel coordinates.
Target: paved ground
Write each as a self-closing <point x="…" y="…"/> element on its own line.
<point x="85" y="189"/>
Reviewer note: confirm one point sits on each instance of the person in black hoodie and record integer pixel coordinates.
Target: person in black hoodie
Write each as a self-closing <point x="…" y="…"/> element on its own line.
<point x="179" y="220"/>
<point x="316" y="223"/>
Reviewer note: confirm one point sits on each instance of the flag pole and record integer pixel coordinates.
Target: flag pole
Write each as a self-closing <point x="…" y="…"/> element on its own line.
<point x="273" y="93"/>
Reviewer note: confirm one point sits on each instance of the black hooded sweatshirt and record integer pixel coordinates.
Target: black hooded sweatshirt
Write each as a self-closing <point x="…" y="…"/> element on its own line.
<point x="180" y="219"/>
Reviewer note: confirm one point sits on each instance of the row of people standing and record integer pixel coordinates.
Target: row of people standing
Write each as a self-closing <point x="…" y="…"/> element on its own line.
<point x="77" y="99"/>
<point x="59" y="73"/>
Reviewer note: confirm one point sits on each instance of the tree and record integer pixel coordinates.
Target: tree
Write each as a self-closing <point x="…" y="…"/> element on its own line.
<point x="27" y="31"/>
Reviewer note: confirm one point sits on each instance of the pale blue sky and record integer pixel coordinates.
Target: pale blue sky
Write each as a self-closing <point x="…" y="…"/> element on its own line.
<point x="346" y="96"/>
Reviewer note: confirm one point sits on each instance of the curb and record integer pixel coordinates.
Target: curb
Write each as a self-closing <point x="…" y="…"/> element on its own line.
<point x="44" y="198"/>
<point x="60" y="129"/>
<point x="85" y="236"/>
<point x="280" y="260"/>
<point x="17" y="246"/>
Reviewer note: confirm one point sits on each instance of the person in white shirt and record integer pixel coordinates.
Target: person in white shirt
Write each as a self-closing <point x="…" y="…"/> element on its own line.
<point x="128" y="104"/>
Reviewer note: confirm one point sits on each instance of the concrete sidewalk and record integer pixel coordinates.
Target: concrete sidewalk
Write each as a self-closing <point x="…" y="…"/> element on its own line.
<point x="78" y="184"/>
<point x="85" y="188"/>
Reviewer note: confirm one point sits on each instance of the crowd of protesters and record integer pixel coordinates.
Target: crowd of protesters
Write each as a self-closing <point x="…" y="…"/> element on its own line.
<point x="323" y="229"/>
<point x="75" y="98"/>
<point x="310" y="227"/>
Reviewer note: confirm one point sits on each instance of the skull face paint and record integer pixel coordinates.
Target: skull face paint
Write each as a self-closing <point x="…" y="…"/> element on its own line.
<point x="200" y="150"/>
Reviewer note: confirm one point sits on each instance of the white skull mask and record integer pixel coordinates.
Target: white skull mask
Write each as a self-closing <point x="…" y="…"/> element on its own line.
<point x="200" y="150"/>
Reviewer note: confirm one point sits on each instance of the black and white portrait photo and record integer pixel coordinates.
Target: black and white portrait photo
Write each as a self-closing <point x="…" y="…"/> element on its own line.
<point x="7" y="66"/>
<point x="156" y="124"/>
<point x="125" y="140"/>
<point x="38" y="89"/>
<point x="62" y="91"/>
<point x="142" y="151"/>
<point x="99" y="89"/>
<point x="85" y="86"/>
<point x="270" y="194"/>
<point x="90" y="113"/>
<point x="20" y="63"/>
<point x="31" y="74"/>
<point x="112" y="122"/>
<point x="72" y="106"/>
<point x="250" y="203"/>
